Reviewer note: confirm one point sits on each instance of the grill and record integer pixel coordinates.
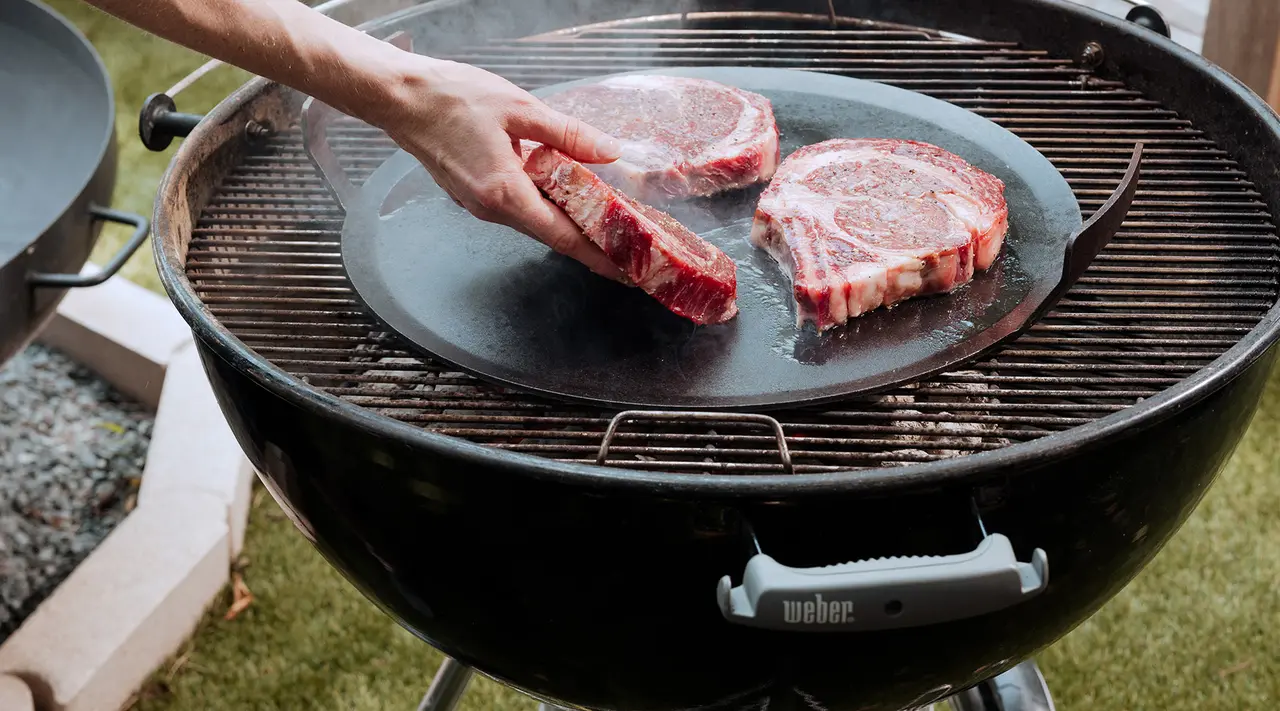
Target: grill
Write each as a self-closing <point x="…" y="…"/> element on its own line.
<point x="1193" y="269"/>
<point x="1039" y="480"/>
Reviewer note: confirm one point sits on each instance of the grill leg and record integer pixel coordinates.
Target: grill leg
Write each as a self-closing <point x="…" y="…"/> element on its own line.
<point x="448" y="686"/>
<point x="1022" y="688"/>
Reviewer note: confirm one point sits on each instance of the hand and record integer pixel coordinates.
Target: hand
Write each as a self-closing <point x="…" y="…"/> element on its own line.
<point x="462" y="123"/>
<point x="465" y="124"/>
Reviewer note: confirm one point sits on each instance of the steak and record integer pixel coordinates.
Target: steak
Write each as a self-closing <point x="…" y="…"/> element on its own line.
<point x="658" y="254"/>
<point x="681" y="137"/>
<point x="865" y="223"/>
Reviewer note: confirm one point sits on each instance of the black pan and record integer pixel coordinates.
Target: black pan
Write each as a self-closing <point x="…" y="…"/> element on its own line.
<point x="57" y="167"/>
<point x="496" y="304"/>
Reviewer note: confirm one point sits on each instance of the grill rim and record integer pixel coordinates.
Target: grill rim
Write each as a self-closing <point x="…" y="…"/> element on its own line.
<point x="213" y="337"/>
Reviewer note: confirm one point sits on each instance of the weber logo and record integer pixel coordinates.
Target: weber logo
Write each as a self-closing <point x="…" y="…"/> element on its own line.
<point x="817" y="611"/>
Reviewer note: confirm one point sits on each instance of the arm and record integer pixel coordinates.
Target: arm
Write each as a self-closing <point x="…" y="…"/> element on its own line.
<point x="461" y="122"/>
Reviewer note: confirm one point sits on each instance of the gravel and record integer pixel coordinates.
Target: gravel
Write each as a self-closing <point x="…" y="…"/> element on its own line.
<point x="72" y="450"/>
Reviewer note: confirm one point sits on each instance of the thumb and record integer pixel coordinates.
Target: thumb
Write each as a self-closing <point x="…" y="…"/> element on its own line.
<point x="567" y="134"/>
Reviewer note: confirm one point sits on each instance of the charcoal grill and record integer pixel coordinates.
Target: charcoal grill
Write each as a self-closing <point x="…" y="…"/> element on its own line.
<point x="575" y="553"/>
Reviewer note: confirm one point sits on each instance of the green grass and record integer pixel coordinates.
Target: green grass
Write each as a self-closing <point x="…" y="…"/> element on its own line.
<point x="1197" y="630"/>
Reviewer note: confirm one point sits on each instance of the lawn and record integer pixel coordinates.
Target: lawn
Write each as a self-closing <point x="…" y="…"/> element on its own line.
<point x="1195" y="631"/>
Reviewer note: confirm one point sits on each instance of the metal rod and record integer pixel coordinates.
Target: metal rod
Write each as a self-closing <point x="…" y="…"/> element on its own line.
<point x="447" y="687"/>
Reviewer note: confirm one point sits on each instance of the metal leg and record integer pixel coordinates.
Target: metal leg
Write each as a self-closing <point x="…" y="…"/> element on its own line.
<point x="1022" y="688"/>
<point x="448" y="686"/>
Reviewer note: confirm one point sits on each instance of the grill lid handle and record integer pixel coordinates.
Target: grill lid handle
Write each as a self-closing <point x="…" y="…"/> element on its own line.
<point x="882" y="593"/>
<point x="1144" y="14"/>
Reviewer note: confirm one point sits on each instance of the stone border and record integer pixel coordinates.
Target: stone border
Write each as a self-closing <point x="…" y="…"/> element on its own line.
<point x="138" y="596"/>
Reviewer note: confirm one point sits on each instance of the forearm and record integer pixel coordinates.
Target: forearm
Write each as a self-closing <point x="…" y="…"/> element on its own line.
<point x="283" y="40"/>
<point x="460" y="121"/>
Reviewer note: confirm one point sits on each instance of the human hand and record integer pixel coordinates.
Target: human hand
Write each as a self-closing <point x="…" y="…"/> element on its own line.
<point x="465" y="125"/>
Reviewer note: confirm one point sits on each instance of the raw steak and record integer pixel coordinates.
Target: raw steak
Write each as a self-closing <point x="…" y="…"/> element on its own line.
<point x="681" y="137"/>
<point x="864" y="223"/>
<point x="658" y="254"/>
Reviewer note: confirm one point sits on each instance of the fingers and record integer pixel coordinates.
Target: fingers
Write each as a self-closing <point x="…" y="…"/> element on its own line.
<point x="548" y="224"/>
<point x="487" y="178"/>
<point x="565" y="133"/>
<point x="442" y="179"/>
<point x="507" y="196"/>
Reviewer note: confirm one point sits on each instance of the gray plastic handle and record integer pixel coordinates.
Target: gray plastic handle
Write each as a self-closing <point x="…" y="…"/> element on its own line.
<point x="883" y="593"/>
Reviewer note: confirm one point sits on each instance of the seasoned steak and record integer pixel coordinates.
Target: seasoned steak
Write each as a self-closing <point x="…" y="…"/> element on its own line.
<point x="681" y="137"/>
<point x="864" y="223"/>
<point x="672" y="264"/>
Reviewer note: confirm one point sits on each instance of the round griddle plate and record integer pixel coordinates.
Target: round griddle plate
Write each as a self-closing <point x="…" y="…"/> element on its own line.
<point x="495" y="303"/>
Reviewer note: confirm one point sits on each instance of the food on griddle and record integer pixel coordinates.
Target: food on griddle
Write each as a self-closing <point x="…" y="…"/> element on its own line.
<point x="683" y="272"/>
<point x="681" y="137"/>
<point x="865" y="223"/>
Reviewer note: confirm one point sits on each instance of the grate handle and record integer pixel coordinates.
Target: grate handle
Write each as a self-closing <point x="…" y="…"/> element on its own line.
<point x="317" y="116"/>
<point x="784" y="454"/>
<point x="882" y="593"/>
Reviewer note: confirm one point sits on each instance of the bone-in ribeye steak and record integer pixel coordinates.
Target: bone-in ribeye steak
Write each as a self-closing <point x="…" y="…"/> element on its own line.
<point x="681" y="137"/>
<point x="682" y="271"/>
<point x="864" y="223"/>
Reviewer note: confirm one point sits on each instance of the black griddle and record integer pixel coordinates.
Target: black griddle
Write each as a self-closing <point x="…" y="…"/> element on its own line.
<point x="494" y="303"/>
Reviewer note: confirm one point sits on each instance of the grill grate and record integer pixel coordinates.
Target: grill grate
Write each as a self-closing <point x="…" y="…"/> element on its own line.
<point x="1193" y="269"/>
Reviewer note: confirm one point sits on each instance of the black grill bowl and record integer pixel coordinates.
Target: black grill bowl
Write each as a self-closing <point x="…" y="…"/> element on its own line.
<point x="594" y="586"/>
<point x="597" y="588"/>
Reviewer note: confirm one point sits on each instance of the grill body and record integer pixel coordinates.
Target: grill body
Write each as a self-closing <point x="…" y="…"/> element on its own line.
<point x="603" y="594"/>
<point x="476" y="518"/>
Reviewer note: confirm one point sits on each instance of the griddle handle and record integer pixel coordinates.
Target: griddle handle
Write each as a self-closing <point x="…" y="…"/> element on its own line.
<point x="1096" y="234"/>
<point x="317" y="116"/>
<point x="883" y="593"/>
<point x="141" y="228"/>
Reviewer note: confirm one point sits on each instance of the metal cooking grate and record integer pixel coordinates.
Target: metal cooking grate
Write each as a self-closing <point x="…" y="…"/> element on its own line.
<point x="1193" y="269"/>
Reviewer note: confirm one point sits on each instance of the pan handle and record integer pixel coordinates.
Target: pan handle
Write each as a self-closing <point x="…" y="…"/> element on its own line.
<point x="1084" y="246"/>
<point x="882" y="593"/>
<point x="65" y="281"/>
<point x="317" y="116"/>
